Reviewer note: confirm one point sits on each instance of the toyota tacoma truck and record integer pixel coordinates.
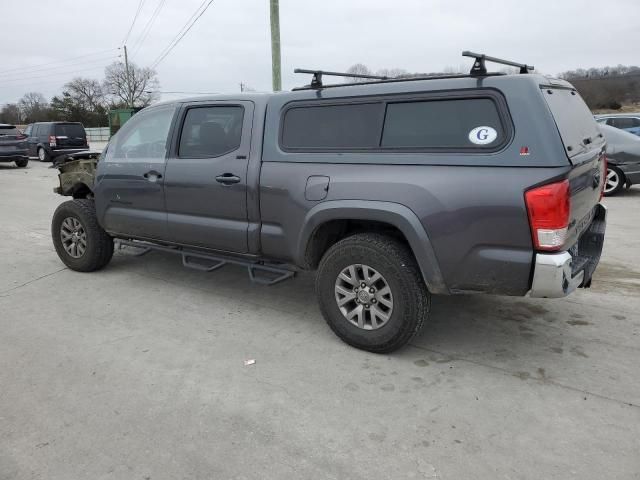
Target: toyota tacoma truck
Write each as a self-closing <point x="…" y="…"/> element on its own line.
<point x="393" y="190"/>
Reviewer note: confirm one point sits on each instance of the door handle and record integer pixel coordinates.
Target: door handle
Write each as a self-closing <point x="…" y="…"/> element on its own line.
<point x="228" y="179"/>
<point x="152" y="176"/>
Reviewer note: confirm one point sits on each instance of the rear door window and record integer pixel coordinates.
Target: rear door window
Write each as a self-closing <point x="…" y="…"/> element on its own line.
<point x="443" y="124"/>
<point x="211" y="131"/>
<point x="42" y="129"/>
<point x="573" y="118"/>
<point x="69" y="130"/>
<point x="8" y="130"/>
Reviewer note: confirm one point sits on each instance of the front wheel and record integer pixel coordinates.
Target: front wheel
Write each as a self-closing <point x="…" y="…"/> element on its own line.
<point x="80" y="242"/>
<point x="614" y="181"/>
<point x="371" y="292"/>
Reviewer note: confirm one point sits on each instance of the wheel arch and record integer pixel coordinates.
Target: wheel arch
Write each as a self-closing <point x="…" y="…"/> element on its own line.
<point x="387" y="216"/>
<point x="81" y="190"/>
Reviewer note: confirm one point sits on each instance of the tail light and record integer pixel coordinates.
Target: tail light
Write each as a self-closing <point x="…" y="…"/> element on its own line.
<point x="549" y="208"/>
<point x="52" y="140"/>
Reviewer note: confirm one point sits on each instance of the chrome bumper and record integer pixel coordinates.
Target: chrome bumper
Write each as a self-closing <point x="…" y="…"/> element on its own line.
<point x="552" y="276"/>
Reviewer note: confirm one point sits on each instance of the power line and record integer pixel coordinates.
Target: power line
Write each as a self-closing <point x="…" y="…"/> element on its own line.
<point x="171" y="45"/>
<point x="182" y="29"/>
<point x="19" y="81"/>
<point x="23" y="75"/>
<point x="135" y="17"/>
<point x="147" y="28"/>
<point x="31" y="67"/>
<point x="45" y="83"/>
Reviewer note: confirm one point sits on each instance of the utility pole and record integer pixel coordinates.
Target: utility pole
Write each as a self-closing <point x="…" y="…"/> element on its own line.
<point x="126" y="66"/>
<point x="275" y="46"/>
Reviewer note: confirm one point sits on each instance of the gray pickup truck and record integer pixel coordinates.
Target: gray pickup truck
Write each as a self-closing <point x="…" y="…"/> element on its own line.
<point x="392" y="189"/>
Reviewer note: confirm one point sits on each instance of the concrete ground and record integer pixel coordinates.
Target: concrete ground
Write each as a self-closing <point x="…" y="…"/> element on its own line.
<point x="136" y="372"/>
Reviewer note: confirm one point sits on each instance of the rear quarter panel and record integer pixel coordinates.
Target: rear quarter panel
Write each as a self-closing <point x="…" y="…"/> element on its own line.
<point x="475" y="218"/>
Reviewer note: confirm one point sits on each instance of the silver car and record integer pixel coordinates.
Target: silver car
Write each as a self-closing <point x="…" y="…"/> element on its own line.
<point x="623" y="157"/>
<point x="629" y="122"/>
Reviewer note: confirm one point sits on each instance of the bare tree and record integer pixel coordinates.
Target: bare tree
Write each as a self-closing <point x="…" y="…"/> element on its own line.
<point x="392" y="72"/>
<point x="358" y="69"/>
<point x="33" y="107"/>
<point x="10" y="114"/>
<point x="451" y="70"/>
<point x="136" y="88"/>
<point x="86" y="93"/>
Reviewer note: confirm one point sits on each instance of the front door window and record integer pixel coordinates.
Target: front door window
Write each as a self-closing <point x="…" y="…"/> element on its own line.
<point x="144" y="136"/>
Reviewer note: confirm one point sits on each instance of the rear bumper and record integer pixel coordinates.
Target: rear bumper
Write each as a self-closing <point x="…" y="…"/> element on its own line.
<point x="556" y="275"/>
<point x="67" y="151"/>
<point x="13" y="156"/>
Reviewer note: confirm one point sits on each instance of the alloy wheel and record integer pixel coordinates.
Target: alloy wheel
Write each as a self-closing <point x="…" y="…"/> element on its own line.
<point x="364" y="297"/>
<point x="612" y="181"/>
<point x="74" y="237"/>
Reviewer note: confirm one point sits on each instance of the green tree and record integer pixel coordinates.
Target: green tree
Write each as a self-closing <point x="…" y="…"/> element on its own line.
<point x="82" y="100"/>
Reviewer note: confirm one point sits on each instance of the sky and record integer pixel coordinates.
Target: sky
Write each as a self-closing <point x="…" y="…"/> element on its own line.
<point x="230" y="43"/>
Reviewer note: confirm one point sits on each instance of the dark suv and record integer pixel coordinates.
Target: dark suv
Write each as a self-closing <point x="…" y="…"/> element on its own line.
<point x="13" y="145"/>
<point x="47" y="140"/>
<point x="393" y="190"/>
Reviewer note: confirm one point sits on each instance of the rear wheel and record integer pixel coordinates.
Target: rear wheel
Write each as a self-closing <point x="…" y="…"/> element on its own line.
<point x="614" y="182"/>
<point x="80" y="242"/>
<point x="22" y="163"/>
<point x="43" y="156"/>
<point x="371" y="292"/>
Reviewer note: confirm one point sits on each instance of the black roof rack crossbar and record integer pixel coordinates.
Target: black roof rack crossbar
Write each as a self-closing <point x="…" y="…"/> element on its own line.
<point x="479" y="67"/>
<point x="316" y="80"/>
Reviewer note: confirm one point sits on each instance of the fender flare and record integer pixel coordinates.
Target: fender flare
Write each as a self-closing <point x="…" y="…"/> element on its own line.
<point x="395" y="214"/>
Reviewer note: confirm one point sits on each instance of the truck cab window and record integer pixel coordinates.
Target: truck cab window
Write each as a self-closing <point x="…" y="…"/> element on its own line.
<point x="144" y="136"/>
<point x="211" y="131"/>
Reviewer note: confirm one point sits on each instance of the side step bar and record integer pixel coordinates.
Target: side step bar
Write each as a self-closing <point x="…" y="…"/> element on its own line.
<point x="258" y="272"/>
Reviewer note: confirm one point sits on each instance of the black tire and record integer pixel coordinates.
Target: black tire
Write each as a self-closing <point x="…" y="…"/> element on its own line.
<point x="396" y="263"/>
<point x="614" y="182"/>
<point x="22" y="163"/>
<point x="43" y="155"/>
<point x="99" y="245"/>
